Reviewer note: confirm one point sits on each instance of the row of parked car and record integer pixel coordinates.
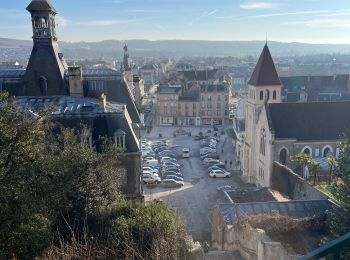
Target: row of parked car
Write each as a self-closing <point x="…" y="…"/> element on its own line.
<point x="210" y="158"/>
<point x="160" y="165"/>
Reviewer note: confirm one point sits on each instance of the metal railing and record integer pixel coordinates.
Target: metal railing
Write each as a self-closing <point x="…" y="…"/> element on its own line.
<point x="332" y="249"/>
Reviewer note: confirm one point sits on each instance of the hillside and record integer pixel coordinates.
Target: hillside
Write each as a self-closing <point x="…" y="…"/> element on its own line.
<point x="178" y="48"/>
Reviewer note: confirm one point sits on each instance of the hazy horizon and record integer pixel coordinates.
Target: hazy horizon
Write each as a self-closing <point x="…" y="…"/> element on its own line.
<point x="302" y="21"/>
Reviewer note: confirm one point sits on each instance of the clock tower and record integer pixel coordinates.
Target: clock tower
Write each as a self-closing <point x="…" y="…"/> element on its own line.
<point x="45" y="71"/>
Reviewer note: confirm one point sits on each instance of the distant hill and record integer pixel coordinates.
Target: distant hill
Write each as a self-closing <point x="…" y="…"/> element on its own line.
<point x="178" y="48"/>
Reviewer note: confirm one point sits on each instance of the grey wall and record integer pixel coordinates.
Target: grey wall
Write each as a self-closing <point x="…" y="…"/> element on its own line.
<point x="289" y="183"/>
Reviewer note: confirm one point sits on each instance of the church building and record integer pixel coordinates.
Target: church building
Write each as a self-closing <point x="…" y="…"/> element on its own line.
<point x="274" y="131"/>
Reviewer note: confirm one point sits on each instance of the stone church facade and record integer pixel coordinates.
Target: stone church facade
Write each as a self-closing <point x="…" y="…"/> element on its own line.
<point x="274" y="131"/>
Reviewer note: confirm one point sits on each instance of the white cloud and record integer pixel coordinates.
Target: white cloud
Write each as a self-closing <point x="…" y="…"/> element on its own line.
<point x="311" y="13"/>
<point x="61" y="21"/>
<point x="260" y="5"/>
<point x="323" y="23"/>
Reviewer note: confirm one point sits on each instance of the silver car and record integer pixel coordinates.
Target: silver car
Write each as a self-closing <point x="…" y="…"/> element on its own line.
<point x="168" y="183"/>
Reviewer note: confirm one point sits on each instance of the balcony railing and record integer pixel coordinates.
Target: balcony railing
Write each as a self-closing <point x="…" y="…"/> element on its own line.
<point x="332" y="249"/>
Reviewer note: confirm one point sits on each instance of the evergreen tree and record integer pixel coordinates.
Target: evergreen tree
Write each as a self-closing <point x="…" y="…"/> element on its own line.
<point x="340" y="219"/>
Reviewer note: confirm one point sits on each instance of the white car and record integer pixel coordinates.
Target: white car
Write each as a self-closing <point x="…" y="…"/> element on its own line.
<point x="169" y="183"/>
<point x="149" y="158"/>
<point x="204" y="151"/>
<point x="167" y="159"/>
<point x="185" y="152"/>
<point x="171" y="164"/>
<point x="150" y="169"/>
<point x="150" y="178"/>
<point x="208" y="160"/>
<point x="151" y="173"/>
<point x="151" y="163"/>
<point x="219" y="174"/>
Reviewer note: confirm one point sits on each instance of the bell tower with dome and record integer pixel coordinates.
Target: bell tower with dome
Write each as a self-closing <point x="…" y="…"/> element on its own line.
<point x="46" y="67"/>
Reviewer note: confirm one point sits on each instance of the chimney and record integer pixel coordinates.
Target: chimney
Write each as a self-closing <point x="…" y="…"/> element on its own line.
<point x="103" y="102"/>
<point x="75" y="76"/>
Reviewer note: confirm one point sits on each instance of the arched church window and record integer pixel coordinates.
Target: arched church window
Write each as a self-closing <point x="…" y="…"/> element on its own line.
<point x="261" y="95"/>
<point x="307" y="150"/>
<point x="283" y="156"/>
<point x="274" y="95"/>
<point x="267" y="94"/>
<point x="326" y="151"/>
<point x="43" y="85"/>
<point x="263" y="141"/>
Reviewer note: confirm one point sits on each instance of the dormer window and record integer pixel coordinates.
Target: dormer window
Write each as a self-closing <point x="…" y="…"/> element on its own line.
<point x="119" y="138"/>
<point x="261" y="95"/>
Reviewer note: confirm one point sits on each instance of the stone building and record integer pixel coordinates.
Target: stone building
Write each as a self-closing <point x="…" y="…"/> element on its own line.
<point x="98" y="98"/>
<point x="150" y="74"/>
<point x="194" y="106"/>
<point x="134" y="82"/>
<point x="139" y="90"/>
<point x="167" y="104"/>
<point x="274" y="131"/>
<point x="202" y="99"/>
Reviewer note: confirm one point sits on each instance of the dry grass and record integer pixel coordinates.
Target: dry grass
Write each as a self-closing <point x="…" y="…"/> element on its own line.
<point x="296" y="235"/>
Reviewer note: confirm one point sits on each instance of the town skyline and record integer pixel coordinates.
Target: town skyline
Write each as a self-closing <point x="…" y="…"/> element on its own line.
<point x="311" y="21"/>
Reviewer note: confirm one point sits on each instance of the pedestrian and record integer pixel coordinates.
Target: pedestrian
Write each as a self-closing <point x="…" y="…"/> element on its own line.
<point x="231" y="164"/>
<point x="225" y="162"/>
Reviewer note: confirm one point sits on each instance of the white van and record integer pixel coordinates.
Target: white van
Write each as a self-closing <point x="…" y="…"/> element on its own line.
<point x="185" y="152"/>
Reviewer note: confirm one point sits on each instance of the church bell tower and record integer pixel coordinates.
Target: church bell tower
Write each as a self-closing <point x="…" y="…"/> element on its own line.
<point x="264" y="87"/>
<point x="45" y="71"/>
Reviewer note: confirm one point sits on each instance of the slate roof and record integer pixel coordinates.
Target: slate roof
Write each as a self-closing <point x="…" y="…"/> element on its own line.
<point x="101" y="72"/>
<point x="41" y="5"/>
<point x="199" y="75"/>
<point x="73" y="111"/>
<point x="68" y="104"/>
<point x="292" y="97"/>
<point x="337" y="83"/>
<point x="12" y="73"/>
<point x="294" y="208"/>
<point x="265" y="73"/>
<point x="169" y="89"/>
<point x="214" y="88"/>
<point x="309" y="121"/>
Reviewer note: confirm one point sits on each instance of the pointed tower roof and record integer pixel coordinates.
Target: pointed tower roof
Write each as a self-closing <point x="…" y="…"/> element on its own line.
<point x="41" y="5"/>
<point x="265" y="73"/>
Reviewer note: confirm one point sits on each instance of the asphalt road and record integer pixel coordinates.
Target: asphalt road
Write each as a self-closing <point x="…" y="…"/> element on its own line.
<point x="199" y="195"/>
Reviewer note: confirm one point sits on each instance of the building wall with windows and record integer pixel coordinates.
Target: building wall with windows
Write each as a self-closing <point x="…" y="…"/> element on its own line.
<point x="209" y="106"/>
<point x="168" y="105"/>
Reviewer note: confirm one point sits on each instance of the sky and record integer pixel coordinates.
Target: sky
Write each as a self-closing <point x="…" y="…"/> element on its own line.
<point x="309" y="21"/>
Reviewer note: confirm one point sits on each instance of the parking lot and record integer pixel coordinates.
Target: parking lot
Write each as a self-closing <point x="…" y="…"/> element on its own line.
<point x="199" y="194"/>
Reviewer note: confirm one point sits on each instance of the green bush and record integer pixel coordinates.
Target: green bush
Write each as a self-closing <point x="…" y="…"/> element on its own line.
<point x="151" y="232"/>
